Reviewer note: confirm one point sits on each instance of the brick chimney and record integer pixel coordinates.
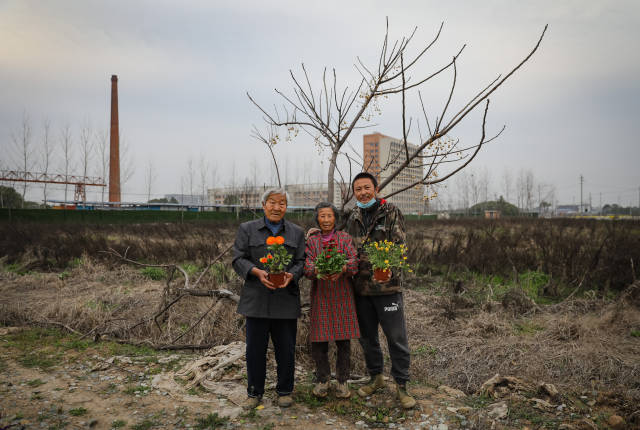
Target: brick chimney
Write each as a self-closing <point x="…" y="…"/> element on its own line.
<point x="114" y="147"/>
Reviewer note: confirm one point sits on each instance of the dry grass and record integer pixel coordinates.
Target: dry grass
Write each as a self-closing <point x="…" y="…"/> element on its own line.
<point x="578" y="345"/>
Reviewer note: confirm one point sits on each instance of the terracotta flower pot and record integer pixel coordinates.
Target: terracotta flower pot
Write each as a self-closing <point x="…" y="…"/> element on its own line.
<point x="277" y="279"/>
<point x="381" y="275"/>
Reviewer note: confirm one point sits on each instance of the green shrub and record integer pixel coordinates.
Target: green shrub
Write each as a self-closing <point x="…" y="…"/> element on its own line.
<point x="78" y="412"/>
<point x="154" y="273"/>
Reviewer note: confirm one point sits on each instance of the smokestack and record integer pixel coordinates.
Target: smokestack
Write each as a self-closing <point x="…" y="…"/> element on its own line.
<point x="114" y="148"/>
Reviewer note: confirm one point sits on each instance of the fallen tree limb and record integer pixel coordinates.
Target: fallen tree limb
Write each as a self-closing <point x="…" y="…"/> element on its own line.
<point x="187" y="289"/>
<point x="222" y="293"/>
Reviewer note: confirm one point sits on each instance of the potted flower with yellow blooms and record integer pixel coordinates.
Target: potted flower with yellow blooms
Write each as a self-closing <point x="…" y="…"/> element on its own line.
<point x="277" y="260"/>
<point x="385" y="255"/>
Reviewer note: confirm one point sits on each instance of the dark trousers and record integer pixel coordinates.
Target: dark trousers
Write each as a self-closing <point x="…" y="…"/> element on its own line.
<point x="388" y="312"/>
<point x="320" y="354"/>
<point x="283" y="336"/>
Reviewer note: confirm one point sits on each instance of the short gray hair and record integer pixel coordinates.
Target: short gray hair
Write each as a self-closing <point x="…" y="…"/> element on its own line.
<point x="270" y="191"/>
<point x="323" y="205"/>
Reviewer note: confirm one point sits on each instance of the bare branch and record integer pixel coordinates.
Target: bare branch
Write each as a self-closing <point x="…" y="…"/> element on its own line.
<point x="436" y="73"/>
<point x="454" y="122"/>
<point x="404" y="111"/>
<point x="404" y="69"/>
<point x="453" y="86"/>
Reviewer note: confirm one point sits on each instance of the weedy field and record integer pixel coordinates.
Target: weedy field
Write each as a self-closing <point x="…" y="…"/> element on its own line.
<point x="534" y="301"/>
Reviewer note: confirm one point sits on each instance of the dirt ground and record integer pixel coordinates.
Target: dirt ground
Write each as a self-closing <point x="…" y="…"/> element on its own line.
<point x="51" y="377"/>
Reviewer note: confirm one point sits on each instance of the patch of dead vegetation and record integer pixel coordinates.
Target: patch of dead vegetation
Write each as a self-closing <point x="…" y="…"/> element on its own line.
<point x="583" y="343"/>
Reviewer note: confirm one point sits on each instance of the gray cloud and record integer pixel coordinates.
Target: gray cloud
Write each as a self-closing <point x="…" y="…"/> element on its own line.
<point x="184" y="68"/>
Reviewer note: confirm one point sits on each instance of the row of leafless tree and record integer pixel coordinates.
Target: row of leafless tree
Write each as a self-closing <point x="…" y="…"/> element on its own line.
<point x="475" y="186"/>
<point x="63" y="150"/>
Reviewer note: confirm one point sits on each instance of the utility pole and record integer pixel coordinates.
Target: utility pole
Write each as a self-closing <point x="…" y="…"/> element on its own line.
<point x="581" y="182"/>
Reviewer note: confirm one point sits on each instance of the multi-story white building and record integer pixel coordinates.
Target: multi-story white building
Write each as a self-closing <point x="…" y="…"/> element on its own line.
<point x="300" y="195"/>
<point x="383" y="155"/>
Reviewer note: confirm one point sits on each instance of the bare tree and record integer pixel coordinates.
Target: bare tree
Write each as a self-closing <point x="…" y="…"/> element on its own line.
<point x="330" y="114"/>
<point x="525" y="189"/>
<point x="546" y="196"/>
<point x="462" y="182"/>
<point x="255" y="173"/>
<point x="23" y="148"/>
<point x="203" y="170"/>
<point x="127" y="163"/>
<point x="66" y="145"/>
<point x="214" y="174"/>
<point x="102" y="148"/>
<point x="507" y="183"/>
<point x="47" y="153"/>
<point x="182" y="182"/>
<point x="484" y="182"/>
<point x="474" y="187"/>
<point x="520" y="189"/>
<point x="150" y="177"/>
<point x="86" y="149"/>
<point x="190" y="178"/>
<point x="233" y="178"/>
<point x="529" y="185"/>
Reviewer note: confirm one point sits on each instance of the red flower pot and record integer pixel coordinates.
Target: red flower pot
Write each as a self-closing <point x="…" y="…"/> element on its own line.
<point x="381" y="275"/>
<point x="277" y="279"/>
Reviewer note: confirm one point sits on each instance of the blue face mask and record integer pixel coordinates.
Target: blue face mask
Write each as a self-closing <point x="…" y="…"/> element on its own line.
<point x="366" y="205"/>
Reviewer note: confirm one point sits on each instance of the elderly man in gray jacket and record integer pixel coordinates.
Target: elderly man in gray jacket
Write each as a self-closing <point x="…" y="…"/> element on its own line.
<point x="269" y="311"/>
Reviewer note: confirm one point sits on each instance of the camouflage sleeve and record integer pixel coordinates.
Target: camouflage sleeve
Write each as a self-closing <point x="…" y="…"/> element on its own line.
<point x="397" y="228"/>
<point x="352" y="257"/>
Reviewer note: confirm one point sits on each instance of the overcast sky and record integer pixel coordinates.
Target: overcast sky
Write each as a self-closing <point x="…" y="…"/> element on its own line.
<point x="184" y="68"/>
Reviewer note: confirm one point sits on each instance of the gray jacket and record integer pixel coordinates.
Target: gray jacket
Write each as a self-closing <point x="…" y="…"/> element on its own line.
<point x="256" y="300"/>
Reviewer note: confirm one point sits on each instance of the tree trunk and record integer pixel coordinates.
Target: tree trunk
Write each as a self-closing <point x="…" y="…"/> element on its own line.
<point x="331" y="175"/>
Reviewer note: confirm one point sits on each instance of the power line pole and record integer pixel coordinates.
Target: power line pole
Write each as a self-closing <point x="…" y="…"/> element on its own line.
<point x="581" y="182"/>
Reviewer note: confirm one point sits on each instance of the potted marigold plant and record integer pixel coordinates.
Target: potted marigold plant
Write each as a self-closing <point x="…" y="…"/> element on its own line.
<point x="277" y="260"/>
<point x="385" y="255"/>
<point x="331" y="260"/>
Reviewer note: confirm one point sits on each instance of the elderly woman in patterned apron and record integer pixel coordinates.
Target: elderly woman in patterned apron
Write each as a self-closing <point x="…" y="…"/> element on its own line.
<point x="333" y="312"/>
